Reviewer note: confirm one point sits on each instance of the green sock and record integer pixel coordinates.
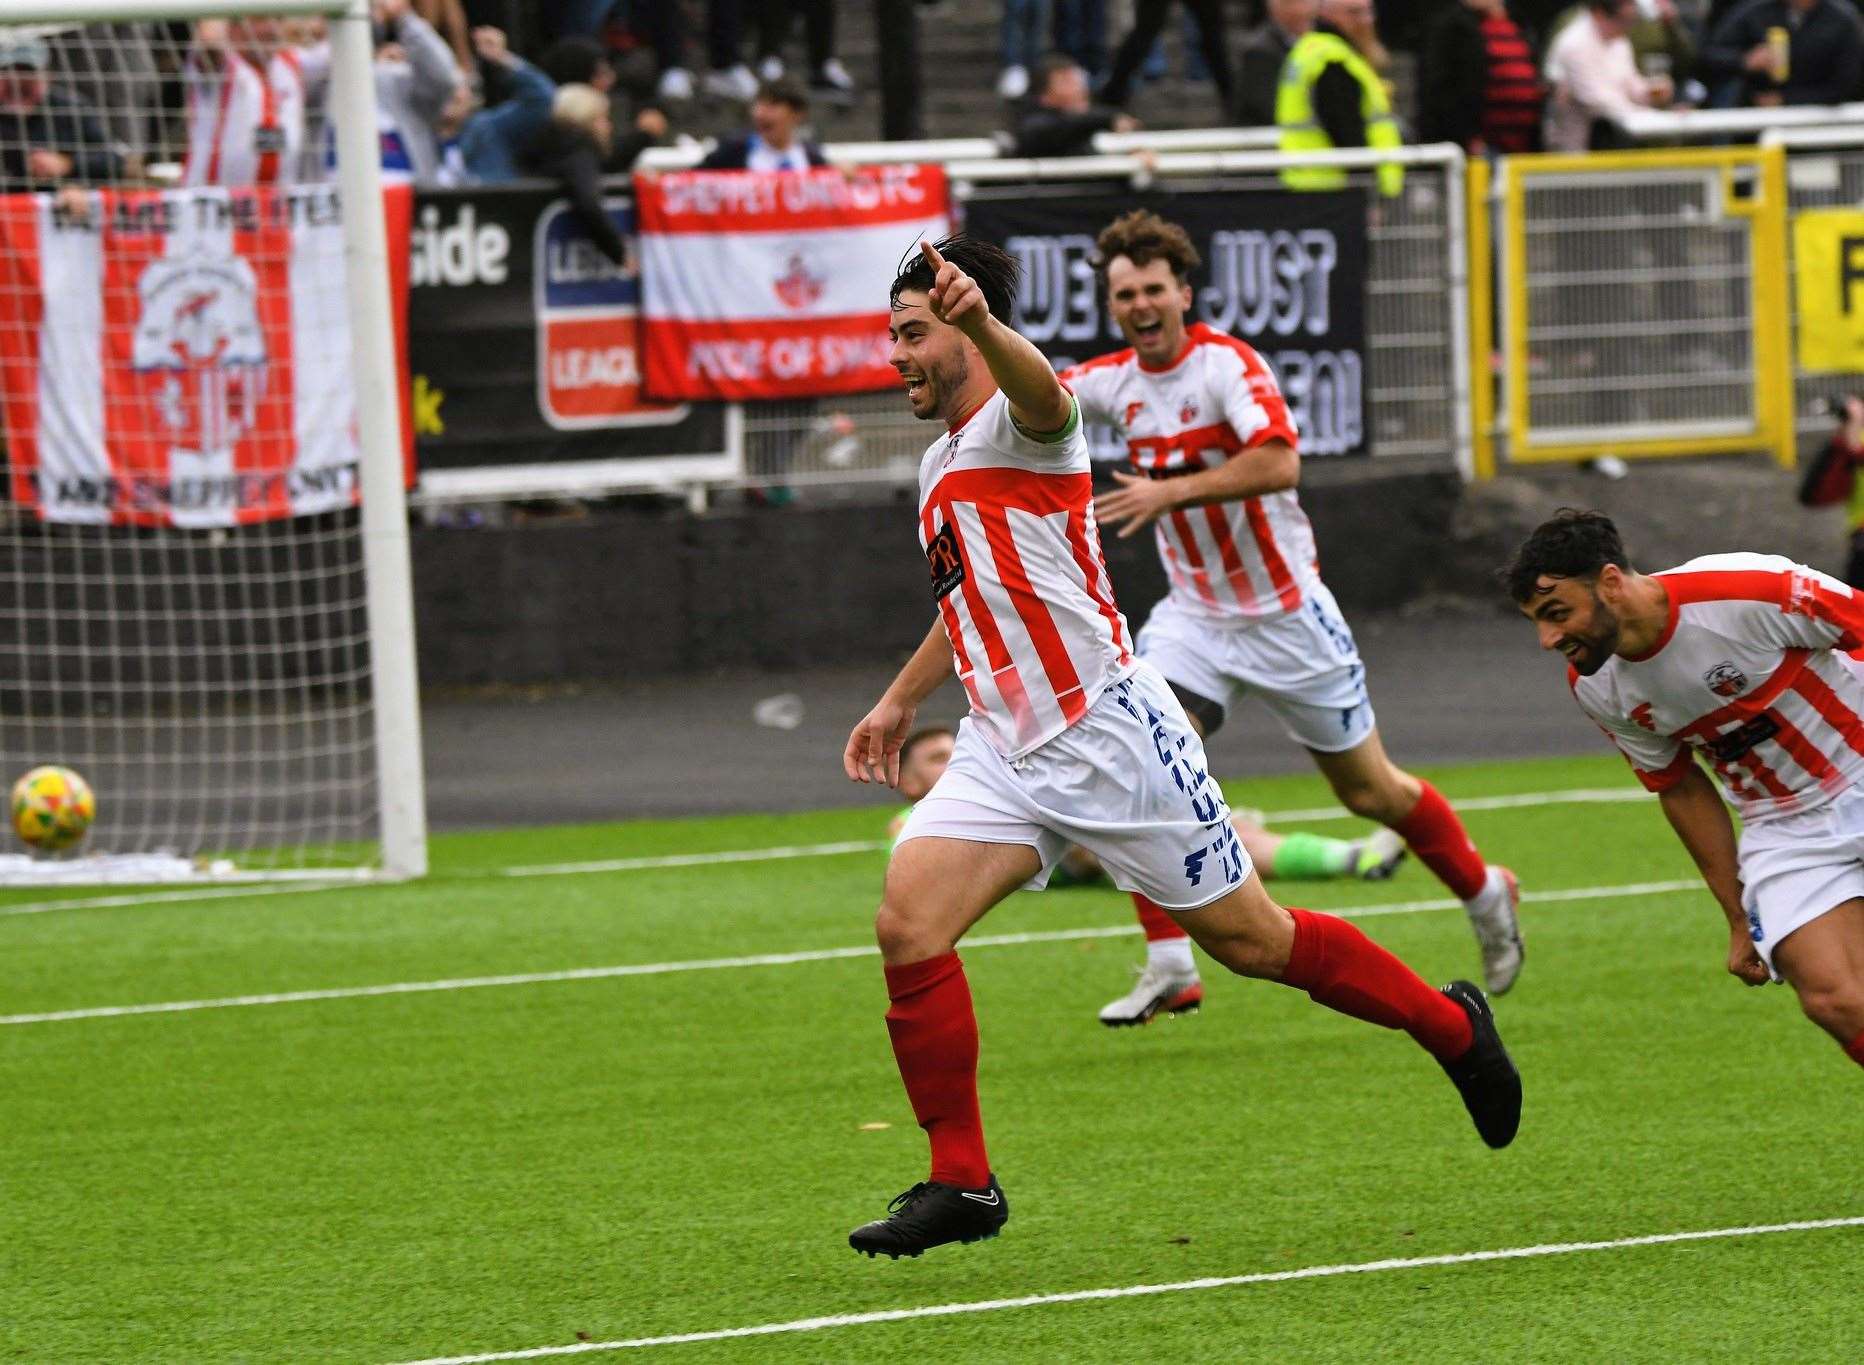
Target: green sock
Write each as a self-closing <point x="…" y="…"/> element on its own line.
<point x="1312" y="857"/>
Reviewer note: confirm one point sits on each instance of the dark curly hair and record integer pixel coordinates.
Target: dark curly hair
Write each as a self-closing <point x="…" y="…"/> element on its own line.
<point x="1572" y="543"/>
<point x="1143" y="237"/>
<point x="996" y="271"/>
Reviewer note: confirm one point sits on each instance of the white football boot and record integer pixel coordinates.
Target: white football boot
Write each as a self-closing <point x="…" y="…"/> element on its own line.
<point x="1493" y="914"/>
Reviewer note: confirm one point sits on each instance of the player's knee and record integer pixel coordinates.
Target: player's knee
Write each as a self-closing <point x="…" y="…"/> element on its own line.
<point x="906" y="934"/>
<point x="1837" y="1007"/>
<point x="1367" y="800"/>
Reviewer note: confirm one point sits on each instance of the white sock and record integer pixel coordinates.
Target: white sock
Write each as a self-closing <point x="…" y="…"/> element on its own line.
<point x="1491" y="888"/>
<point x="1171" y="954"/>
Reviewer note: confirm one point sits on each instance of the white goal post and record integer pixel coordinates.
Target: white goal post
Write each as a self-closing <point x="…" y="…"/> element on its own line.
<point x="354" y="738"/>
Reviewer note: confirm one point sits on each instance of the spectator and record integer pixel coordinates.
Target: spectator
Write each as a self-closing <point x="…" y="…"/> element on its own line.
<point x="729" y="78"/>
<point x="1821" y="63"/>
<point x="448" y="19"/>
<point x="1477" y="83"/>
<point x="1025" y="24"/>
<point x="571" y="149"/>
<point x="1331" y="96"/>
<point x="827" y="76"/>
<point x="110" y="70"/>
<point x="1663" y="45"/>
<point x="416" y="80"/>
<point x="583" y="61"/>
<point x="491" y="142"/>
<point x="1062" y="118"/>
<point x="47" y="140"/>
<point x="1833" y="478"/>
<point x="902" y="79"/>
<point x="1593" y="79"/>
<point x="774" y="142"/>
<point x="1148" y="18"/>
<point x="247" y="92"/>
<point x="1264" y="50"/>
<point x="1080" y="31"/>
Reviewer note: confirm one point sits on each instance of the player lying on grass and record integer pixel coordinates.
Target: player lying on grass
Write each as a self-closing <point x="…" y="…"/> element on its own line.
<point x="1215" y="459"/>
<point x="1734" y="659"/>
<point x="1070" y="740"/>
<point x="1297" y="857"/>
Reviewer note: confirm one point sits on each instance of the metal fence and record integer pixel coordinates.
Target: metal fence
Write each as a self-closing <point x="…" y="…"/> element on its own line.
<point x="1642" y="304"/>
<point x="1416" y="322"/>
<point x="1824" y="170"/>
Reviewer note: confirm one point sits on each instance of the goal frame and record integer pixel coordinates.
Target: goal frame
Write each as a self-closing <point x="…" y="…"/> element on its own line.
<point x="389" y="598"/>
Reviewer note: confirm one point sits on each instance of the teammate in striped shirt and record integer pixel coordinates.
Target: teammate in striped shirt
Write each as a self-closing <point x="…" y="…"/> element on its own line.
<point x="1070" y="739"/>
<point x="1215" y="453"/>
<point x="1739" y="661"/>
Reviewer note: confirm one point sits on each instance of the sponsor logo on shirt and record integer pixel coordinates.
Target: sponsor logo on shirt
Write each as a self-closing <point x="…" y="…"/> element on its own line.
<point x="945" y="561"/>
<point x="1725" y="680"/>
<point x="1802" y="591"/>
<point x="1743" y="739"/>
<point x="1132" y="411"/>
<point x="1640" y="715"/>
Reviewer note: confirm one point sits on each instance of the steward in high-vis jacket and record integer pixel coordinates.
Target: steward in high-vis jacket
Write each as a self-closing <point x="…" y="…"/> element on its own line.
<point x="1329" y="97"/>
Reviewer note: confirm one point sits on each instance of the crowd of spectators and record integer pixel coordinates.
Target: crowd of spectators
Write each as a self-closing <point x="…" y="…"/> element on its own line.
<point x="238" y="101"/>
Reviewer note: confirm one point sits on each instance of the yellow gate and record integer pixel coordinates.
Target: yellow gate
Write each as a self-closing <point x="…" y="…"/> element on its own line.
<point x="1644" y="304"/>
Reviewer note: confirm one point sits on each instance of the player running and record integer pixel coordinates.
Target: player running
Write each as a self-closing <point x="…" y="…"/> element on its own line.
<point x="1734" y="658"/>
<point x="1070" y="739"/>
<point x="1215" y="451"/>
<point x="1296" y="857"/>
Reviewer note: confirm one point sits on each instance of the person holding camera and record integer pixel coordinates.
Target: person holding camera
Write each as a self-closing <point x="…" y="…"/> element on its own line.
<point x="1832" y="477"/>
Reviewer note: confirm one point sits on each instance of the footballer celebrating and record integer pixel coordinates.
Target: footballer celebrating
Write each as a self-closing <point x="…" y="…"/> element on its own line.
<point x="1216" y="460"/>
<point x="1070" y="740"/>
<point x="1739" y="660"/>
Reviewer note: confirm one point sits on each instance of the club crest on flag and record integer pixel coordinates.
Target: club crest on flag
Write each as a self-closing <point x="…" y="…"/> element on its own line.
<point x="199" y="345"/>
<point x="1725" y="680"/>
<point x="796" y="287"/>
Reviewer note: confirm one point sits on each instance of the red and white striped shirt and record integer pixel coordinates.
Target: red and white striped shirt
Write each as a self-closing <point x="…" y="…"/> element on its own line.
<point x="1250" y="558"/>
<point x="1007" y="525"/>
<point x="1748" y="673"/>
<point x="245" y="127"/>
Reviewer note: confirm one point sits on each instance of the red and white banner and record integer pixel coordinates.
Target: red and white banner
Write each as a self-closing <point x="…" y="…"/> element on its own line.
<point x="182" y="357"/>
<point x="774" y="284"/>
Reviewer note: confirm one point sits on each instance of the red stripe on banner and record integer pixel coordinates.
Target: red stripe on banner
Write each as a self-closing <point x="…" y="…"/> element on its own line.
<point x="1034" y="612"/>
<point x="171" y="398"/>
<point x="398" y="221"/>
<point x="705" y="202"/>
<point x="22" y="316"/>
<point x="771" y="358"/>
<point x="1831" y="708"/>
<point x="257" y="405"/>
<point x="1279" y="577"/>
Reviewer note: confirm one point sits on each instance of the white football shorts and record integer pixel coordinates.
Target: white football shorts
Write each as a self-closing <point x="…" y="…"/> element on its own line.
<point x="1303" y="664"/>
<point x="1128" y="782"/>
<point x="1797" y="867"/>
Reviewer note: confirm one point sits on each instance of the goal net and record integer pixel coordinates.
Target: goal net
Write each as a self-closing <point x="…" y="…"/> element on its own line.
<point x="204" y="604"/>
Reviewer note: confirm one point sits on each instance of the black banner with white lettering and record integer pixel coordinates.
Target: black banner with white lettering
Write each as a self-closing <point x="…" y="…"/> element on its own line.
<point x="1284" y="271"/>
<point x="523" y="340"/>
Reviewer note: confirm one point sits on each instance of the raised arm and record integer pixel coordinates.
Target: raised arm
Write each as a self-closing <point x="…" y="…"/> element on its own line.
<point x="873" y="751"/>
<point x="1038" y="402"/>
<point x="1695" y="811"/>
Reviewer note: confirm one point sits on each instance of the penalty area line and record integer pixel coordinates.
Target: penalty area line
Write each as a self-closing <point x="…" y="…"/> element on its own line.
<point x="711" y="964"/>
<point x="1132" y="1291"/>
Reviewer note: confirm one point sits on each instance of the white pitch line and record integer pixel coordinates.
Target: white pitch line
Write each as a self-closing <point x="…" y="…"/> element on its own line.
<point x="468" y="983"/>
<point x="1572" y="796"/>
<point x="1132" y="1291"/>
<point x="164" y="897"/>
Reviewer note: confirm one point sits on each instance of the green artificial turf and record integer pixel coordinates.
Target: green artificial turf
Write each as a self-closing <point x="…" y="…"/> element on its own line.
<point x="500" y="1168"/>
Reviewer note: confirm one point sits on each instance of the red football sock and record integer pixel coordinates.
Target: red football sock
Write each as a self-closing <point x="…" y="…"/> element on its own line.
<point x="934" y="1031"/>
<point x="1155" y="921"/>
<point x="1442" y="844"/>
<point x="1346" y="971"/>
<point x="1855" y="1049"/>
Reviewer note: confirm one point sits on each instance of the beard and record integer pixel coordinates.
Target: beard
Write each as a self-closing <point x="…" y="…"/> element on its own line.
<point x="943" y="380"/>
<point x="1596" y="644"/>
